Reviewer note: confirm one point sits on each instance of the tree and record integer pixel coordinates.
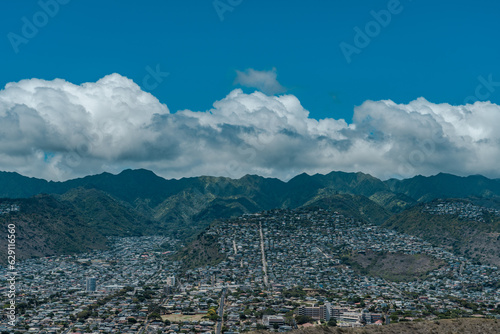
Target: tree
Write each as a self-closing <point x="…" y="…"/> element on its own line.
<point x="332" y="322"/>
<point x="302" y="319"/>
<point x="269" y="311"/>
<point x="154" y="315"/>
<point x="83" y="315"/>
<point x="212" y="314"/>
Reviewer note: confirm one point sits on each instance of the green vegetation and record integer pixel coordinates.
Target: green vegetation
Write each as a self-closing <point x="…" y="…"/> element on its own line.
<point x="302" y="319"/>
<point x="201" y="252"/>
<point x="425" y="189"/>
<point x="212" y="314"/>
<point x="394" y="267"/>
<point x="359" y="207"/>
<point x="296" y="292"/>
<point x="46" y="226"/>
<point x="108" y="215"/>
<point x="332" y="322"/>
<point x="476" y="240"/>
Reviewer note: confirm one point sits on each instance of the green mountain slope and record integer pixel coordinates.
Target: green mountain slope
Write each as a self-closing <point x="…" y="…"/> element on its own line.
<point x="479" y="240"/>
<point x="14" y="185"/>
<point x="424" y="189"/>
<point x="303" y="187"/>
<point x="202" y="251"/>
<point x="152" y="195"/>
<point x="107" y="215"/>
<point x="355" y="206"/>
<point x="46" y="226"/>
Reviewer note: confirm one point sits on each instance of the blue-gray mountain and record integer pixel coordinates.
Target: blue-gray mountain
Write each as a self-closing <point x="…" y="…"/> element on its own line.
<point x="140" y="202"/>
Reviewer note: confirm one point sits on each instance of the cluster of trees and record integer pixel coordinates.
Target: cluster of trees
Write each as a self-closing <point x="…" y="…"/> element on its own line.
<point x="296" y="292"/>
<point x="302" y="319"/>
<point x="212" y="314"/>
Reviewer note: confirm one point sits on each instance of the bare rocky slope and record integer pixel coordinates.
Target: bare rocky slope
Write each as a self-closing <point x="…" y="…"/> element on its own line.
<point x="452" y="326"/>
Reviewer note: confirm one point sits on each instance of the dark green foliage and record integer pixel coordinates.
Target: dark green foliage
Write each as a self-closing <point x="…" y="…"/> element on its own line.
<point x="200" y="252"/>
<point x="302" y="319"/>
<point x="355" y="206"/>
<point x="332" y="322"/>
<point x="107" y="215"/>
<point x="46" y="226"/>
<point x="443" y="185"/>
<point x="296" y="292"/>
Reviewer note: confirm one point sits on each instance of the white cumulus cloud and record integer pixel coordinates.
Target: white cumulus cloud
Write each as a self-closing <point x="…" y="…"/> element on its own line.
<point x="265" y="81"/>
<point x="58" y="130"/>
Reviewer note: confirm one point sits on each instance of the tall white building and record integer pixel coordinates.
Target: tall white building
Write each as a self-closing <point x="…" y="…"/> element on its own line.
<point x="91" y="284"/>
<point x="171" y="281"/>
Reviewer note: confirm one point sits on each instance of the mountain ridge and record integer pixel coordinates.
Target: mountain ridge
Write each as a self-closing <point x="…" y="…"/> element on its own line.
<point x="355" y="182"/>
<point x="139" y="201"/>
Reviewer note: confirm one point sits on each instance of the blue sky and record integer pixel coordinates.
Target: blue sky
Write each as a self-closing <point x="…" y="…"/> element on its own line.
<point x="434" y="49"/>
<point x="275" y="88"/>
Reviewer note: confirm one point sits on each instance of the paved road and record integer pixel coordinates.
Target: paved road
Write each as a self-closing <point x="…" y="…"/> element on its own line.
<point x="264" y="262"/>
<point x="326" y="255"/>
<point x="221" y="311"/>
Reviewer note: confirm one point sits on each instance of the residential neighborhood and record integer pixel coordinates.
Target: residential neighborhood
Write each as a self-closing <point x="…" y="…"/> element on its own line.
<point x="463" y="210"/>
<point x="282" y="269"/>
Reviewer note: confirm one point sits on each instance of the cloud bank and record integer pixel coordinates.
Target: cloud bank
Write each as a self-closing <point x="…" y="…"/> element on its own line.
<point x="58" y="130"/>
